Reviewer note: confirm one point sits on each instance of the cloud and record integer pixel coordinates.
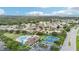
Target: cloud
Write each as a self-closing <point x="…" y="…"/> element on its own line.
<point x="2" y="11"/>
<point x="75" y="8"/>
<point x="62" y="13"/>
<point x="67" y="12"/>
<point x="70" y="11"/>
<point x="44" y="7"/>
<point x="36" y="13"/>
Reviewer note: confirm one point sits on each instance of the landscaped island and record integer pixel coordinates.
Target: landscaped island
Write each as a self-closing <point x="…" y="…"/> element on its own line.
<point x="77" y="41"/>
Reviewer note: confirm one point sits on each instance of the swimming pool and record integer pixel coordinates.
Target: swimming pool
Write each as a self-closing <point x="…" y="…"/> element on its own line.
<point x="50" y="39"/>
<point x="23" y="39"/>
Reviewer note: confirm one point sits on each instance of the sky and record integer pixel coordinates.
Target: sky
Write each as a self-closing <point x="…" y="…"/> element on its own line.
<point x="42" y="11"/>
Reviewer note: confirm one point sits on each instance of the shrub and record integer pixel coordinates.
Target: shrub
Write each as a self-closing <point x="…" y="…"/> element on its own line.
<point x="11" y="31"/>
<point x="54" y="33"/>
<point x="67" y="29"/>
<point x="1" y="32"/>
<point x="13" y="45"/>
<point x="40" y="33"/>
<point x="58" y="42"/>
<point x="24" y="48"/>
<point x="17" y="31"/>
<point x="62" y="37"/>
<point x="24" y="32"/>
<point x="43" y="45"/>
<point x="54" y="48"/>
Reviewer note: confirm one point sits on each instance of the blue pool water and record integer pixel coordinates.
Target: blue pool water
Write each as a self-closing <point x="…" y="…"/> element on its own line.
<point x="50" y="39"/>
<point x="22" y="39"/>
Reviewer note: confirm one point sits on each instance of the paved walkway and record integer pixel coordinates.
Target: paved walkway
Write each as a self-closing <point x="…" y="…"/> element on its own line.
<point x="71" y="37"/>
<point x="1" y="46"/>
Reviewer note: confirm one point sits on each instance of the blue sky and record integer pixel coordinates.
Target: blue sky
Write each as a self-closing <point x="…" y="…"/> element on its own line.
<point x="59" y="11"/>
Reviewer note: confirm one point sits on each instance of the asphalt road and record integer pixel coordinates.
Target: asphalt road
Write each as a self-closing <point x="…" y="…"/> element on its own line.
<point x="70" y="41"/>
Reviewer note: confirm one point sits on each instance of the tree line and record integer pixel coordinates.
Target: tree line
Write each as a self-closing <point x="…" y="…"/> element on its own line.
<point x="11" y="20"/>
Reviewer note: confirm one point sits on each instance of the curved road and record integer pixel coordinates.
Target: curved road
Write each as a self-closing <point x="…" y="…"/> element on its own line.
<point x="70" y="41"/>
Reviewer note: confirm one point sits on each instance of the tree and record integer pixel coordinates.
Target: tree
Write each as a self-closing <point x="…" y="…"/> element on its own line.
<point x="12" y="45"/>
<point x="58" y="27"/>
<point x="40" y="33"/>
<point x="67" y="29"/>
<point x="24" y="32"/>
<point x="11" y="31"/>
<point x="17" y="31"/>
<point x="54" y="48"/>
<point x="58" y="42"/>
<point x="24" y="48"/>
<point x="54" y="33"/>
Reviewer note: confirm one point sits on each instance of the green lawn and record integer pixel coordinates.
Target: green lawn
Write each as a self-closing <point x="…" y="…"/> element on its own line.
<point x="11" y="44"/>
<point x="43" y="37"/>
<point x="77" y="41"/>
<point x="12" y="35"/>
